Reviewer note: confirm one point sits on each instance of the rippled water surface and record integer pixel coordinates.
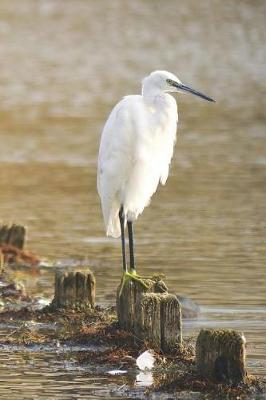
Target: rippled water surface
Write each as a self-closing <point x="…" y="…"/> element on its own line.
<point x="63" y="67"/>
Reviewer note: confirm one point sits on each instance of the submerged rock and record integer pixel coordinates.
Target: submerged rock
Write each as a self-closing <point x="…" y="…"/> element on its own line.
<point x="13" y="294"/>
<point x="12" y="291"/>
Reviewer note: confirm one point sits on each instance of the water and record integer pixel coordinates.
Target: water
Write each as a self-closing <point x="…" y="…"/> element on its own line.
<point x="63" y="67"/>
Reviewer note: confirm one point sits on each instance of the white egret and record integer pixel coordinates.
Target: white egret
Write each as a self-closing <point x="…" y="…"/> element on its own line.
<point x="135" y="153"/>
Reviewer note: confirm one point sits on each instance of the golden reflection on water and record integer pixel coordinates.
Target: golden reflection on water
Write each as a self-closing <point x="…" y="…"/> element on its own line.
<point x="64" y="65"/>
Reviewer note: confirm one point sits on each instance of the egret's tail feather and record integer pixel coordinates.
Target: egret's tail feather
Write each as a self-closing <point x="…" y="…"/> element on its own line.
<point x="113" y="226"/>
<point x="111" y="218"/>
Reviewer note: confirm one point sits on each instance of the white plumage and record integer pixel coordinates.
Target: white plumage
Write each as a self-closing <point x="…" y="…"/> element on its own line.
<point x="135" y="151"/>
<point x="136" y="148"/>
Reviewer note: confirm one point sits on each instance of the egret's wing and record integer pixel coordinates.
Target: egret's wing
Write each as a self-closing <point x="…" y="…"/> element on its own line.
<point x="135" y="152"/>
<point x="114" y="161"/>
<point x="154" y="138"/>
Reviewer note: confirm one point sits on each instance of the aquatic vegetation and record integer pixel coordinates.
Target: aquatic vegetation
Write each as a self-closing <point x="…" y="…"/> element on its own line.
<point x="113" y="348"/>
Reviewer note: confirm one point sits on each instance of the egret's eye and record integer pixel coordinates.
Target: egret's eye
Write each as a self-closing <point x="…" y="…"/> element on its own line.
<point x="169" y="81"/>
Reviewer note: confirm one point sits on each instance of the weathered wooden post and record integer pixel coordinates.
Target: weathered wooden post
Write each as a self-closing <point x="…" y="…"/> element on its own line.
<point x="220" y="355"/>
<point x="171" y="323"/>
<point x="158" y="321"/>
<point x="127" y="298"/>
<point x="74" y="290"/>
<point x="151" y="313"/>
<point x="13" y="235"/>
<point x="148" y="319"/>
<point x="12" y="240"/>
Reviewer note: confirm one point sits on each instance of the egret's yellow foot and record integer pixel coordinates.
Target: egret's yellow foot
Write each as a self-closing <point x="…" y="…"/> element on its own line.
<point x="132" y="275"/>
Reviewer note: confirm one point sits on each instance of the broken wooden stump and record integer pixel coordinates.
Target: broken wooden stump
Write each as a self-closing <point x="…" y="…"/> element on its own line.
<point x="148" y="319"/>
<point x="13" y="235"/>
<point x="171" y="323"/>
<point x="151" y="313"/>
<point x="158" y="321"/>
<point x="12" y="240"/>
<point x="74" y="290"/>
<point x="220" y="355"/>
<point x="127" y="299"/>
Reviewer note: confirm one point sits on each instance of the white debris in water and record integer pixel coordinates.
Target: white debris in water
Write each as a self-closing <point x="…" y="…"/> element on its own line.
<point x="46" y="263"/>
<point x="144" y="378"/>
<point x="146" y="360"/>
<point x="44" y="301"/>
<point x="117" y="372"/>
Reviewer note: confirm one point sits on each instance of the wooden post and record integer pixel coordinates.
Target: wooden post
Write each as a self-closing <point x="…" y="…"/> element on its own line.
<point x="74" y="290"/>
<point x="220" y="355"/>
<point x="80" y="288"/>
<point x="13" y="235"/>
<point x="127" y="299"/>
<point x="151" y="313"/>
<point x="90" y="288"/>
<point x="148" y="319"/>
<point x="158" y="321"/>
<point x="171" y="323"/>
<point x="69" y="289"/>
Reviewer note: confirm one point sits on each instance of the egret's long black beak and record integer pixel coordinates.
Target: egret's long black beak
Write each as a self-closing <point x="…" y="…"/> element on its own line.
<point x="184" y="88"/>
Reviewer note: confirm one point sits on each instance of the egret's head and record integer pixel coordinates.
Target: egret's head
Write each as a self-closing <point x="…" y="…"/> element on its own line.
<point x="163" y="81"/>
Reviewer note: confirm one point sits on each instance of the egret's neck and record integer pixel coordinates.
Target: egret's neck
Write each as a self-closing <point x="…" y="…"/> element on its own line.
<point x="156" y="99"/>
<point x="151" y="92"/>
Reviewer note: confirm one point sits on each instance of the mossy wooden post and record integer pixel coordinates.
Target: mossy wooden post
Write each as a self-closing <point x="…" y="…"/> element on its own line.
<point x="80" y="285"/>
<point x="151" y="313"/>
<point x="13" y="235"/>
<point x="148" y="319"/>
<point x="171" y="323"/>
<point x="158" y="321"/>
<point x="69" y="289"/>
<point x="127" y="299"/>
<point x="74" y="290"/>
<point x="220" y="355"/>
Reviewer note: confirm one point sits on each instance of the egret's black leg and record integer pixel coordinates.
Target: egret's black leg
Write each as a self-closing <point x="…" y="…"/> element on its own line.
<point x="122" y="225"/>
<point x="131" y="274"/>
<point x="131" y="245"/>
